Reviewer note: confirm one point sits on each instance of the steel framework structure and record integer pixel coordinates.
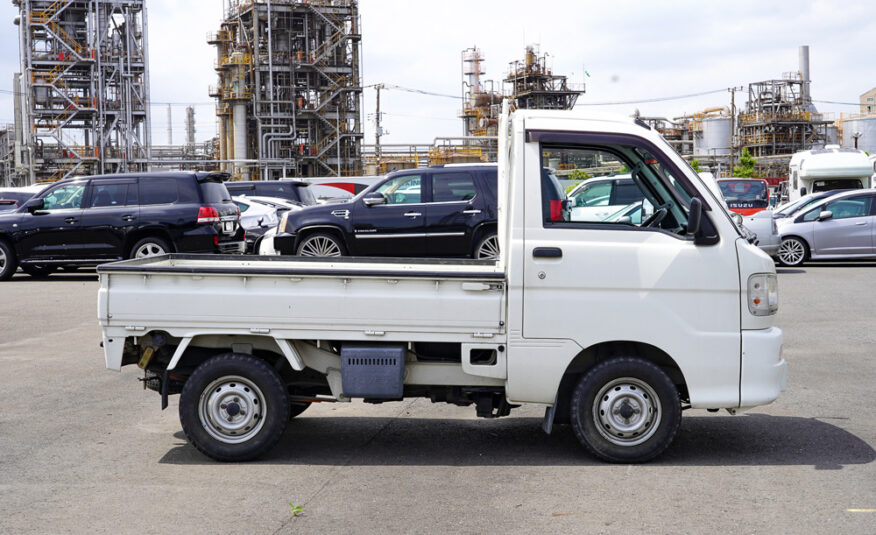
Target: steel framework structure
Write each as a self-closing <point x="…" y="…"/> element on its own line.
<point x="289" y="92"/>
<point x="85" y="87"/>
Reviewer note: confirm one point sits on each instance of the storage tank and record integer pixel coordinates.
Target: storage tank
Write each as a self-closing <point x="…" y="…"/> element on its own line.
<point x="865" y="129"/>
<point x="715" y="137"/>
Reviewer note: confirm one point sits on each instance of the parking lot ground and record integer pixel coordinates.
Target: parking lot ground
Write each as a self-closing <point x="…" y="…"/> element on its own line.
<point x="86" y="450"/>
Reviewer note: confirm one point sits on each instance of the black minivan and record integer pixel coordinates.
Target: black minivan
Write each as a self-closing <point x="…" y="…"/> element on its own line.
<point x="92" y="220"/>
<point x="439" y="211"/>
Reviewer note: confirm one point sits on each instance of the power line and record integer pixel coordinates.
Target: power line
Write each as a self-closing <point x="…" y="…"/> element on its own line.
<point x="657" y="99"/>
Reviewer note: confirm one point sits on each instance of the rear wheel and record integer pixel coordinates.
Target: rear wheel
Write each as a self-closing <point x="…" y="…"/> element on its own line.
<point x="234" y="407"/>
<point x="8" y="264"/>
<point x="149" y="247"/>
<point x="625" y="410"/>
<point x="38" y="271"/>
<point x="321" y="244"/>
<point x="793" y="252"/>
<point x="487" y="248"/>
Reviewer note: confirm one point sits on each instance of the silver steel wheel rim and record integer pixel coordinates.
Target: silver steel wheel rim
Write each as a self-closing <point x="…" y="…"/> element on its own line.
<point x="489" y="249"/>
<point x="319" y="246"/>
<point x="149" y="249"/>
<point x="232" y="409"/>
<point x="627" y="412"/>
<point x="2" y="260"/>
<point x="791" y="251"/>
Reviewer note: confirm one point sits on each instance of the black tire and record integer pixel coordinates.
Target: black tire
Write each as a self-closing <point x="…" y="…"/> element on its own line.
<point x="8" y="262"/>
<point x="38" y="271"/>
<point x="487" y="248"/>
<point x="321" y="244"/>
<point x="297" y="407"/>
<point x="150" y="246"/>
<point x="793" y="252"/>
<point x="615" y="414"/>
<point x="250" y="397"/>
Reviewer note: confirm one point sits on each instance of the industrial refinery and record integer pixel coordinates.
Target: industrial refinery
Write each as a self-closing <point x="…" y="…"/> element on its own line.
<point x="289" y="100"/>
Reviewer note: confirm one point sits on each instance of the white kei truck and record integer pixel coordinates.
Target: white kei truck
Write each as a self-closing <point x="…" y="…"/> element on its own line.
<point x="613" y="327"/>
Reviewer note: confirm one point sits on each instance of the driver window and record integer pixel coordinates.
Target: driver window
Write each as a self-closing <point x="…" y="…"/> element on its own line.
<point x="405" y="189"/>
<point x="615" y="185"/>
<point x="65" y="197"/>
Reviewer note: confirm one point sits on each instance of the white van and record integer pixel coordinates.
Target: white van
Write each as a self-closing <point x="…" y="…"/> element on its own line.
<point x="828" y="169"/>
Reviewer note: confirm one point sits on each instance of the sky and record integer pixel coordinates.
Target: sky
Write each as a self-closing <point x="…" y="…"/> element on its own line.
<point x="632" y="50"/>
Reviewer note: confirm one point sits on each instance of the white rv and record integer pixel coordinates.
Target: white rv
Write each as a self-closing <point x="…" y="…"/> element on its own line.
<point x="827" y="169"/>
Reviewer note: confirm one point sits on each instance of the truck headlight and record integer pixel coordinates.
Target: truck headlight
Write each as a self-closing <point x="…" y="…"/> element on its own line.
<point x="774" y="228"/>
<point x="282" y="226"/>
<point x="763" y="294"/>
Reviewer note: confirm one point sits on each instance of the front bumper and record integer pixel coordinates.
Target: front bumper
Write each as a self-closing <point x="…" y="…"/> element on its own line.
<point x="764" y="370"/>
<point x="284" y="243"/>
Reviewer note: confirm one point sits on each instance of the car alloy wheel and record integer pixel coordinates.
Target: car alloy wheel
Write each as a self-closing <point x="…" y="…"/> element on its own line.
<point x="319" y="245"/>
<point x="792" y="252"/>
<point x="488" y="249"/>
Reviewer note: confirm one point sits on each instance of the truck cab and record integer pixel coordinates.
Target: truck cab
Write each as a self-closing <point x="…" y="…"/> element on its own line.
<point x="830" y="168"/>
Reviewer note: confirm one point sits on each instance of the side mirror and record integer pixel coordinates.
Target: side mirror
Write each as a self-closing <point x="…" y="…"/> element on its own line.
<point x="737" y="218"/>
<point x="625" y="220"/>
<point x="825" y="215"/>
<point x="32" y="205"/>
<point x="373" y="199"/>
<point x="695" y="217"/>
<point x="802" y="192"/>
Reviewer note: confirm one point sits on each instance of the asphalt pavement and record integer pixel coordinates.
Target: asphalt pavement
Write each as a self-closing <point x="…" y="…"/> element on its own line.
<point x="87" y="450"/>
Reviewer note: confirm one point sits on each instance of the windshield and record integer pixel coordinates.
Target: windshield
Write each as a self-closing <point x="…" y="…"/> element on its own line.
<point x="745" y="193"/>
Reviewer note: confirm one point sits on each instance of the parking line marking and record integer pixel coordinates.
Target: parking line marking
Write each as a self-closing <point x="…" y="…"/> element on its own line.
<point x="861" y="510"/>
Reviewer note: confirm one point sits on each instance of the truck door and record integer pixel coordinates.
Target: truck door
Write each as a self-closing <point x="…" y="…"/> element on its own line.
<point x="396" y="227"/>
<point x="648" y="283"/>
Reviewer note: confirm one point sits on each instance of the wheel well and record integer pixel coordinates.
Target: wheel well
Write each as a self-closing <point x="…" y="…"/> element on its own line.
<point x="801" y="238"/>
<point x="134" y="237"/>
<point x="591" y="356"/>
<point x="480" y="232"/>
<point x="309" y="231"/>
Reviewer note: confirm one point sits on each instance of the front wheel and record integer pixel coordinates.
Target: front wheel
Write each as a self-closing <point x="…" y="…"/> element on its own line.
<point x="234" y="407"/>
<point x="625" y="410"/>
<point x="793" y="252"/>
<point x="8" y="264"/>
<point x="321" y="244"/>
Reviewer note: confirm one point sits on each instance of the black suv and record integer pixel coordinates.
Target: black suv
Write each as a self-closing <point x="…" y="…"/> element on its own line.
<point x="91" y="220"/>
<point x="291" y="190"/>
<point x="435" y="211"/>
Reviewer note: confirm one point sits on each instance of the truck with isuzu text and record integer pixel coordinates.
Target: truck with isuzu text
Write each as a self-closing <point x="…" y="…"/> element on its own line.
<point x="614" y="327"/>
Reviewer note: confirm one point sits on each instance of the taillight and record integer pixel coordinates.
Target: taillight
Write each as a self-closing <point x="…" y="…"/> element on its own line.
<point x="208" y="214"/>
<point x="238" y="212"/>
<point x="556" y="210"/>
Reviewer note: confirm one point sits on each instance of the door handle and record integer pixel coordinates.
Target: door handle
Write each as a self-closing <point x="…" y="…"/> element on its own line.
<point x="547" y="252"/>
<point x="861" y="223"/>
<point x="127" y="218"/>
<point x="413" y="214"/>
<point x="471" y="211"/>
<point x="70" y="220"/>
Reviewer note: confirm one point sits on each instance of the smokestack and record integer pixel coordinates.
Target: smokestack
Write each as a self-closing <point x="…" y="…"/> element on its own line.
<point x="804" y="72"/>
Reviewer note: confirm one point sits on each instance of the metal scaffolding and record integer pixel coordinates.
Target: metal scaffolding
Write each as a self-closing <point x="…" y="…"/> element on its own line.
<point x="85" y="87"/>
<point x="532" y="84"/>
<point x="289" y="92"/>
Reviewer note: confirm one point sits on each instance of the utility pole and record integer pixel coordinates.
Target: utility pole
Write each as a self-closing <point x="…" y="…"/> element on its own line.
<point x="378" y="129"/>
<point x="733" y="91"/>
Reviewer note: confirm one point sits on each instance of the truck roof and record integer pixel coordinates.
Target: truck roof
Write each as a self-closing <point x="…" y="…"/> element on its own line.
<point x="831" y="162"/>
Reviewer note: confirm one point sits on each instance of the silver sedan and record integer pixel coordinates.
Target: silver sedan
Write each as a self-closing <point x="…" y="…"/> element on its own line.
<point x="840" y="226"/>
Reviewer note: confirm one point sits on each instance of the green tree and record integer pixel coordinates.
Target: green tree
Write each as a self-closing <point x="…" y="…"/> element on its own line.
<point x="696" y="165"/>
<point x="578" y="174"/>
<point x="745" y="169"/>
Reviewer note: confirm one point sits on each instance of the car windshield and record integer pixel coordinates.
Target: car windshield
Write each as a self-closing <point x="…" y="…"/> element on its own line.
<point x="745" y="193"/>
